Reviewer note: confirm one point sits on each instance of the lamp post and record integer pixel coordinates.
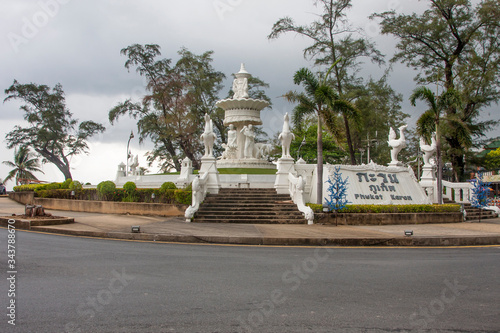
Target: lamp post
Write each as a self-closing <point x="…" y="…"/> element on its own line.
<point x="301" y="144"/>
<point x="361" y="150"/>
<point x="368" y="143"/>
<point x="128" y="153"/>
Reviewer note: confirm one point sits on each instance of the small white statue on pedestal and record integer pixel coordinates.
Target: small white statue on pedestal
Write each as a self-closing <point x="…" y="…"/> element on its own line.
<point x="231" y="148"/>
<point x="240" y="84"/>
<point x="286" y="137"/>
<point x="428" y="150"/>
<point x="208" y="137"/>
<point x="397" y="145"/>
<point x="248" y="151"/>
<point x="134" y="165"/>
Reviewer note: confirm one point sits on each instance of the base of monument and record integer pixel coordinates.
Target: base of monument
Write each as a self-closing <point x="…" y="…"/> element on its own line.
<point x="251" y="163"/>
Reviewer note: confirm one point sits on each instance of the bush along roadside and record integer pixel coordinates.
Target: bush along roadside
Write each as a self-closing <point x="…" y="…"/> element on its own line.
<point x="374" y="209"/>
<point x="107" y="191"/>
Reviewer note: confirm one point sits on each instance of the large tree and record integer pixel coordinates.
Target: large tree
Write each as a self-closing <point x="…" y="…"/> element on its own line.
<point x="455" y="46"/>
<point x="435" y="120"/>
<point x="177" y="98"/>
<point x="334" y="42"/>
<point x="25" y="164"/>
<point x="51" y="132"/>
<point x="380" y="109"/>
<point x="320" y="100"/>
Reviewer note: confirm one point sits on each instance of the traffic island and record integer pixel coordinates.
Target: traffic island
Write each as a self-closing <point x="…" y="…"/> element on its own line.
<point x="26" y="222"/>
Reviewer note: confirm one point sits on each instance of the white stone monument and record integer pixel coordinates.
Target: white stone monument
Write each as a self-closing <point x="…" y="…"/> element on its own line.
<point x="208" y="162"/>
<point x="428" y="179"/>
<point x="241" y="114"/>
<point x="396" y="144"/>
<point x="286" y="162"/>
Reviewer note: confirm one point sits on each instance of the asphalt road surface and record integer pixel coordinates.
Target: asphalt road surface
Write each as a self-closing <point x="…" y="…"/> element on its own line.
<point x="68" y="284"/>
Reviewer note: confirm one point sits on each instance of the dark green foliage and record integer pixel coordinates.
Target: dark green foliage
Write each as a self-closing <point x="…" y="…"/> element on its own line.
<point x="183" y="197"/>
<point x="447" y="208"/>
<point x="25" y="163"/>
<point x="53" y="186"/>
<point x="51" y="132"/>
<point x="167" y="186"/>
<point x="65" y="184"/>
<point x="75" y="186"/>
<point x="106" y="190"/>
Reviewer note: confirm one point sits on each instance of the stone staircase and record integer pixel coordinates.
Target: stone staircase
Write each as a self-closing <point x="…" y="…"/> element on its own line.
<point x="473" y="213"/>
<point x="254" y="206"/>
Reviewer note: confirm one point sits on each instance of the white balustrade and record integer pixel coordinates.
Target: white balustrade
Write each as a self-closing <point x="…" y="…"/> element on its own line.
<point x="296" y="187"/>
<point x="458" y="192"/>
<point x="199" y="189"/>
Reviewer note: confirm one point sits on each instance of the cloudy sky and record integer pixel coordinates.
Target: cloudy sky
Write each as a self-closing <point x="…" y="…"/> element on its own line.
<point x="77" y="43"/>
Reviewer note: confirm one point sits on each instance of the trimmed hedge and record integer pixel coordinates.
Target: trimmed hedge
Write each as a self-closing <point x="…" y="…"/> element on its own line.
<point x="446" y="208"/>
<point x="141" y="195"/>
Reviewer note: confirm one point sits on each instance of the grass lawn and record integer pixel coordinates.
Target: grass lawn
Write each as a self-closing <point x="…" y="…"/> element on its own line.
<point x="233" y="171"/>
<point x="248" y="171"/>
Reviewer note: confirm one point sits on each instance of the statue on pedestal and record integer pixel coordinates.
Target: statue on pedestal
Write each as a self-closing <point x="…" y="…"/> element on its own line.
<point x="240" y="84"/>
<point x="208" y="136"/>
<point x="428" y="150"/>
<point x="249" y="141"/>
<point x="286" y="137"/>
<point x="231" y="148"/>
<point x="397" y="145"/>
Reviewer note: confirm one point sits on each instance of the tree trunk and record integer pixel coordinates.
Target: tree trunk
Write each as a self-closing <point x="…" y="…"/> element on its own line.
<point x="64" y="168"/>
<point x="349" y="140"/>
<point x="319" y="185"/>
<point x="439" y="181"/>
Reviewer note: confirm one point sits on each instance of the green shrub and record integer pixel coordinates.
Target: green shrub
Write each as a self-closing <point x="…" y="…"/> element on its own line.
<point x="52" y="186"/>
<point x="167" y="186"/>
<point x="65" y="184"/>
<point x="129" y="187"/>
<point x="183" y="197"/>
<point x="28" y="188"/>
<point x="106" y="190"/>
<point x="75" y="186"/>
<point x="447" y="208"/>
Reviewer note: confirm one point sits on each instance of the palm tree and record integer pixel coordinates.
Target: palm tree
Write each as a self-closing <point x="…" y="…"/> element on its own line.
<point x="436" y="120"/>
<point x="321" y="100"/>
<point x="25" y="163"/>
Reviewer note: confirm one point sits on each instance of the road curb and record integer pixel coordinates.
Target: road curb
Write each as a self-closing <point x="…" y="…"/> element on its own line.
<point x="277" y="241"/>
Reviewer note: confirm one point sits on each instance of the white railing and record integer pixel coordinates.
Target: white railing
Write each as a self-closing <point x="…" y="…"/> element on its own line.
<point x="458" y="192"/>
<point x="296" y="187"/>
<point x="199" y="189"/>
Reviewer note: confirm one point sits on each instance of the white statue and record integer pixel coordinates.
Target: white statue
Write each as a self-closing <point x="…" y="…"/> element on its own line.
<point x="286" y="137"/>
<point x="134" y="164"/>
<point x="262" y="150"/>
<point x="240" y="84"/>
<point x="232" y="137"/>
<point x="397" y="145"/>
<point x="208" y="136"/>
<point x="231" y="148"/>
<point x="249" y="141"/>
<point x="428" y="150"/>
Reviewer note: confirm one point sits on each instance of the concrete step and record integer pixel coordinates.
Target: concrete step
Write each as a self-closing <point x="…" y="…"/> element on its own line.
<point x="257" y="215"/>
<point x="251" y="221"/>
<point x="255" y="197"/>
<point x="258" y="206"/>
<point x="250" y="209"/>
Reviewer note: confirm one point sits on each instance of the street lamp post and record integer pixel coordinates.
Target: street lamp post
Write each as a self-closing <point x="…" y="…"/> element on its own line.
<point x="128" y="153"/>
<point x="301" y="144"/>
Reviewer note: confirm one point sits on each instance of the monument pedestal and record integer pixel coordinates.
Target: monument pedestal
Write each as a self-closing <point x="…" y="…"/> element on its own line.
<point x="285" y="166"/>
<point x="209" y="165"/>
<point x="428" y="182"/>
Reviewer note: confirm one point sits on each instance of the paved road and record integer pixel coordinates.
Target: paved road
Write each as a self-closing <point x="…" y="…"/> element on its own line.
<point x="67" y="284"/>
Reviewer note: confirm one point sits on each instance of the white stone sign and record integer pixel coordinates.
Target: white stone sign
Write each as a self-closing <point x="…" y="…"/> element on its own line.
<point x="373" y="184"/>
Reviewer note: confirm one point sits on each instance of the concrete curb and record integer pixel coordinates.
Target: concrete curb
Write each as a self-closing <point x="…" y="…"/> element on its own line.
<point x="276" y="241"/>
<point x="27" y="224"/>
